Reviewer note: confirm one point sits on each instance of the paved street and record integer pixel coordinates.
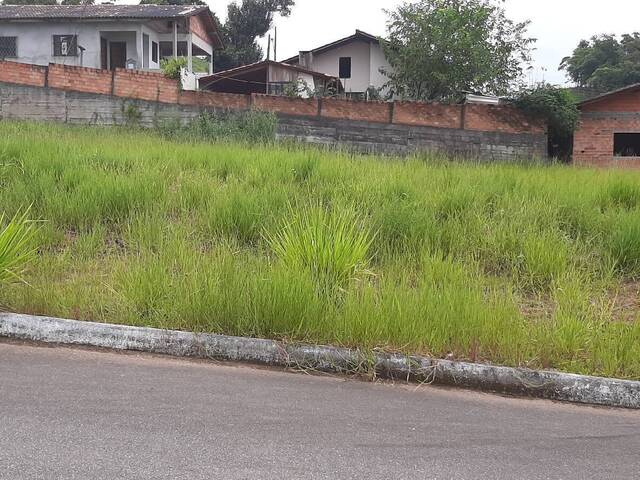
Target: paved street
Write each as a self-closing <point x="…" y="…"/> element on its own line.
<point x="80" y="414"/>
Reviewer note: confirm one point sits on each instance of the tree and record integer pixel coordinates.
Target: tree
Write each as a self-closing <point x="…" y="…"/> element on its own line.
<point x="558" y="107"/>
<point x="247" y="22"/>
<point x="605" y="63"/>
<point x="440" y="48"/>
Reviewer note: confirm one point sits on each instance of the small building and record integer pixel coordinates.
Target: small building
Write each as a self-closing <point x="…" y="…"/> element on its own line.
<point x="609" y="130"/>
<point x="108" y="36"/>
<point x="272" y="78"/>
<point x="358" y="61"/>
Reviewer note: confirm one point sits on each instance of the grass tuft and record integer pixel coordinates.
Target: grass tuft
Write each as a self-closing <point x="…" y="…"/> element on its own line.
<point x="332" y="245"/>
<point x="16" y="246"/>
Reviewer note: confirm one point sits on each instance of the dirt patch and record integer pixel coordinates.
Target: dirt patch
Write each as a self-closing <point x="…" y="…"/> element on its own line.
<point x="626" y="302"/>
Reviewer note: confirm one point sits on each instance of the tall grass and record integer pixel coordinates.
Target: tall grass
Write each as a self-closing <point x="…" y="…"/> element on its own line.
<point x="16" y="246"/>
<point x="252" y="126"/>
<point x="332" y="246"/>
<point x="513" y="264"/>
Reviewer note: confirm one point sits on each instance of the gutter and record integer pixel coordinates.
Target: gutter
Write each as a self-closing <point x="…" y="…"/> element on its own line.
<point x="505" y="380"/>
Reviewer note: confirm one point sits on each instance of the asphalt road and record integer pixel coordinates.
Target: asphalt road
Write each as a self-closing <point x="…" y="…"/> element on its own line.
<point x="80" y="414"/>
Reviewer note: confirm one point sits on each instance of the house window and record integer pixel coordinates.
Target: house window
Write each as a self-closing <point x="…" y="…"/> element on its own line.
<point x="154" y="52"/>
<point x="166" y="49"/>
<point x="65" y="45"/>
<point x="626" y="144"/>
<point x="8" y="47"/>
<point x="345" y="67"/>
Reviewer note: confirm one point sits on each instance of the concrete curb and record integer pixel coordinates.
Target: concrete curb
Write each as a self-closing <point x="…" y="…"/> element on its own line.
<point x="515" y="381"/>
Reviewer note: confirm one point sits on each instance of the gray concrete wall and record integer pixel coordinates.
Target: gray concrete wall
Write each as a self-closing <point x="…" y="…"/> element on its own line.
<point x="46" y="104"/>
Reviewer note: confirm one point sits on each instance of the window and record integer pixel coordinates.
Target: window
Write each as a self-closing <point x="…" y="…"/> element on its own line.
<point x="166" y="49"/>
<point x="154" y="52"/>
<point x="65" y="45"/>
<point x="345" y="67"/>
<point x="8" y="47"/>
<point x="626" y="144"/>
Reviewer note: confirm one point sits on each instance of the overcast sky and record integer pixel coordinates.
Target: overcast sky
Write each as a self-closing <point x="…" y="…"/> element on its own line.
<point x="557" y="24"/>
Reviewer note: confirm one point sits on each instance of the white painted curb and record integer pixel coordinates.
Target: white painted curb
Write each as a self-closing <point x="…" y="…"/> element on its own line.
<point x="515" y="381"/>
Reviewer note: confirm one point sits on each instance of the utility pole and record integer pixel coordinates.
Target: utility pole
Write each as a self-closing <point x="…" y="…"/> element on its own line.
<point x="269" y="48"/>
<point x="275" y="44"/>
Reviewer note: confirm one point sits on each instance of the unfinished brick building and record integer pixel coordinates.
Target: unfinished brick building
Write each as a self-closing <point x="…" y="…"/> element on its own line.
<point x="609" y="131"/>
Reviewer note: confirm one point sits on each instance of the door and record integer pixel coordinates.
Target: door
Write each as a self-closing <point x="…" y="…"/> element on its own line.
<point x="118" y="53"/>
<point x="104" y="58"/>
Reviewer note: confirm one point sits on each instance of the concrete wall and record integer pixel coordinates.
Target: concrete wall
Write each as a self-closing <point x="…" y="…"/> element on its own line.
<point x="50" y="104"/>
<point x="392" y="139"/>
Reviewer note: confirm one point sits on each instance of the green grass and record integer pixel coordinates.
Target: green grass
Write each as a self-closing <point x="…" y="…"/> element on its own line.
<point x="534" y="265"/>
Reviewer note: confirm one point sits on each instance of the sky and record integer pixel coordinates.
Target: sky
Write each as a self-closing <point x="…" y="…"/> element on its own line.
<point x="557" y="24"/>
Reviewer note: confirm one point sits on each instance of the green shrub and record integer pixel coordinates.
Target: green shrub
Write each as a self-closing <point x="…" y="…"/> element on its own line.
<point x="171" y="67"/>
<point x="558" y="107"/>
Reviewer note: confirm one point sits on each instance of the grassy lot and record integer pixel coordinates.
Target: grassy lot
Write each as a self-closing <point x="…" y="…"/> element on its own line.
<point x="519" y="265"/>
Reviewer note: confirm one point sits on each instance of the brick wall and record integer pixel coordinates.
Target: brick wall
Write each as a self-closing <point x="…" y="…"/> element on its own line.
<point x="155" y="87"/>
<point x="145" y="86"/>
<point x="22" y="73"/>
<point x="197" y="26"/>
<point x="228" y="101"/>
<point x="80" y="79"/>
<point x="627" y="101"/>
<point x="307" y="107"/>
<point x="52" y="104"/>
<point x="500" y="118"/>
<point x="427" y="114"/>
<point x="593" y="140"/>
<point x="379" y="112"/>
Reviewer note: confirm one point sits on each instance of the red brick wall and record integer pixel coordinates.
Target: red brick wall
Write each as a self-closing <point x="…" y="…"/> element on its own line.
<point x="197" y="26"/>
<point x="80" y="79"/>
<point x="500" y="118"/>
<point x="593" y="140"/>
<point x="307" y="107"/>
<point x="229" y="101"/>
<point x="156" y="87"/>
<point x="22" y="73"/>
<point x="427" y="114"/>
<point x="145" y="86"/>
<point x="353" y="110"/>
<point x="628" y="101"/>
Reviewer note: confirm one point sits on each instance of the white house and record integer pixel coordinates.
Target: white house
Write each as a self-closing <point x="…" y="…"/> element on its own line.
<point x="357" y="60"/>
<point x="107" y="36"/>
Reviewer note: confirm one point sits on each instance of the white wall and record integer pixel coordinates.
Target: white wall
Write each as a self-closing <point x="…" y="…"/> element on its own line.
<point x="35" y="41"/>
<point x="378" y="61"/>
<point x="366" y="61"/>
<point x="328" y="63"/>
